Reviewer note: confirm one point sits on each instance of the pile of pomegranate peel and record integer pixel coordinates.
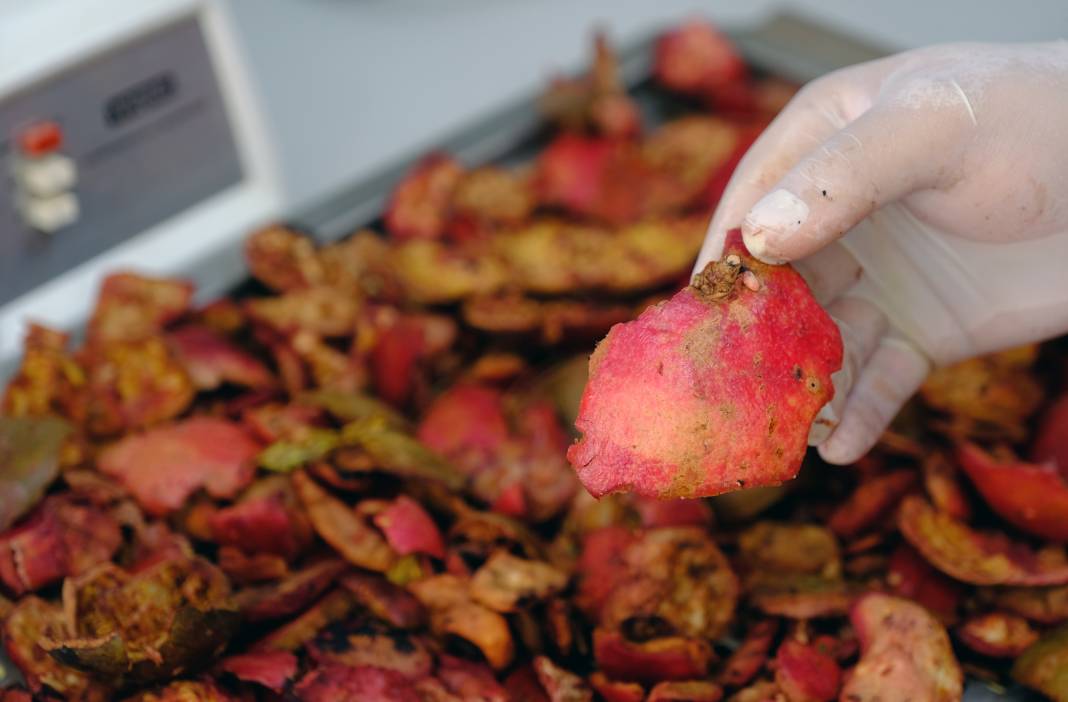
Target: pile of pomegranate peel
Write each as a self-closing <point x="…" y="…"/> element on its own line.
<point x="355" y="487"/>
<point x="712" y="391"/>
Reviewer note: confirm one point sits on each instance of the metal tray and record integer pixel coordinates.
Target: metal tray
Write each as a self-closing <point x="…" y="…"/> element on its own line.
<point x="787" y="46"/>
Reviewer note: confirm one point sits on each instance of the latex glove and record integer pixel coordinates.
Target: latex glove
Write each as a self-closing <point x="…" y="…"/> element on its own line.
<point x="925" y="199"/>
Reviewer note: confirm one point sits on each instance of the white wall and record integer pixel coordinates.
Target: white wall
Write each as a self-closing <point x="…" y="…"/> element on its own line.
<point x="349" y="85"/>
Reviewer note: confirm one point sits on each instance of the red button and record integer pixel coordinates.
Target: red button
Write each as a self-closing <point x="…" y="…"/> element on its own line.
<point x="40" y="139"/>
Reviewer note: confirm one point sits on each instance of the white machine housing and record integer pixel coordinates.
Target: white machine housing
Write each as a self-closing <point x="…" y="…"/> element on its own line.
<point x="62" y="54"/>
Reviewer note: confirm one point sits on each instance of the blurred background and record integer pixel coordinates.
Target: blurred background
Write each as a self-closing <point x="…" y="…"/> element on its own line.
<point x="155" y="134"/>
<point x="349" y="85"/>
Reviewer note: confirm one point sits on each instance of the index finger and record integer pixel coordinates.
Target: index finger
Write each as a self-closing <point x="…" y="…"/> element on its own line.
<point x="819" y="111"/>
<point x="805" y="122"/>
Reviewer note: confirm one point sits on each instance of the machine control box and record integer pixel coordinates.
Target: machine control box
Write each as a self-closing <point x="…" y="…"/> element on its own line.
<point x="97" y="154"/>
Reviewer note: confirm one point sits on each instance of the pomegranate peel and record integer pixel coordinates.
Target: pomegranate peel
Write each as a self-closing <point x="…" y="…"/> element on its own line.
<point x="1030" y="496"/>
<point x="904" y="648"/>
<point x="712" y="391"/>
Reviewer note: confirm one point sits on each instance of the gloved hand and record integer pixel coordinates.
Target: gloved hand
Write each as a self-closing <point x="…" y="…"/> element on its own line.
<point x="925" y="199"/>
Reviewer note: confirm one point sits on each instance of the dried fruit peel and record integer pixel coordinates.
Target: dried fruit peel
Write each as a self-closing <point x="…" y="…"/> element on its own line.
<point x="272" y="669"/>
<point x="29" y="461"/>
<point x="665" y="658"/>
<point x="24" y="628"/>
<point x="911" y="576"/>
<point x="748" y="659"/>
<point x="1051" y="439"/>
<point x="712" y="391"/>
<point x="871" y="501"/>
<point x="291" y="594"/>
<point x="172" y="618"/>
<point x="1031" y="496"/>
<point x="418" y="208"/>
<point x="695" y="58"/>
<point x="685" y="691"/>
<point x="904" y="646"/>
<point x="805" y="673"/>
<point x="164" y="466"/>
<point x="1044" y="605"/>
<point x="409" y="529"/>
<point x="979" y="558"/>
<point x="1044" y="666"/>
<point x="997" y="634"/>
<point x="61" y="537"/>
<point x="659" y="584"/>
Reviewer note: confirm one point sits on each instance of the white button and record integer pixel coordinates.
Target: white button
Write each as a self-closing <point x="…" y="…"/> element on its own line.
<point x="49" y="214"/>
<point x="46" y="175"/>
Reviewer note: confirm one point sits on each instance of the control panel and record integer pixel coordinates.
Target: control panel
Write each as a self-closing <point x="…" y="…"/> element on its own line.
<point x="44" y="178"/>
<point x="95" y="155"/>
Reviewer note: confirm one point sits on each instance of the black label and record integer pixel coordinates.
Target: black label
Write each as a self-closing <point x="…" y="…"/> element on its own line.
<point x="140" y="98"/>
